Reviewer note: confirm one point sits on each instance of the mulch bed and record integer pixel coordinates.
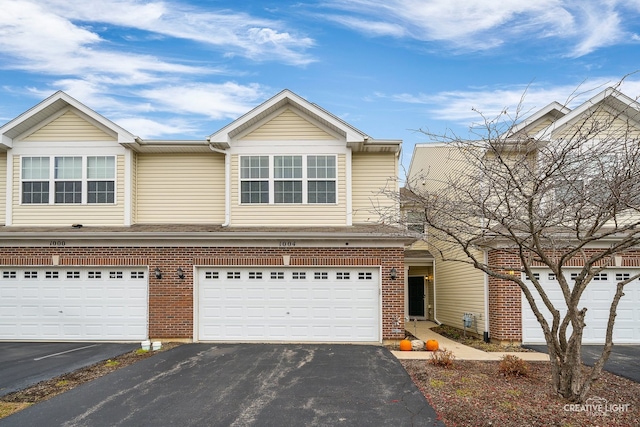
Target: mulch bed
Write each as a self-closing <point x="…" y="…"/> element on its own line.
<point x="475" y="394"/>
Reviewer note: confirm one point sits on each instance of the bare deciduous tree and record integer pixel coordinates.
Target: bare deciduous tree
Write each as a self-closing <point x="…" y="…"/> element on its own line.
<point x="569" y="197"/>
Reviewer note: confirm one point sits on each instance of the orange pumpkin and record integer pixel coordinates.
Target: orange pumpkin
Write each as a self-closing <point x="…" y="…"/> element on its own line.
<point x="432" y="345"/>
<point x="405" y="345"/>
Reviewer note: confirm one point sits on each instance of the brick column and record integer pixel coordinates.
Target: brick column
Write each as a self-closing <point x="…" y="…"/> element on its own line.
<point x="505" y="301"/>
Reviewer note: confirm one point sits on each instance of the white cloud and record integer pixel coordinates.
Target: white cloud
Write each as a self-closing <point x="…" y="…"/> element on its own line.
<point x="369" y="27"/>
<point x="97" y="51"/>
<point x="34" y="38"/>
<point x="228" y="31"/>
<point x="215" y="101"/>
<point x="149" y="129"/>
<point x="187" y="109"/>
<point x="484" y="24"/>
<point x="464" y="107"/>
<point x="605" y="28"/>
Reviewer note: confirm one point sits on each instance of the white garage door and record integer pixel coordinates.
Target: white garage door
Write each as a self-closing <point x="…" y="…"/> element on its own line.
<point x="288" y="304"/>
<point x="73" y="303"/>
<point x="597" y="298"/>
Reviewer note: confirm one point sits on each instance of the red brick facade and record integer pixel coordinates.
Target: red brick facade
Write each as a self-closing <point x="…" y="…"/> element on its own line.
<point x="171" y="300"/>
<point x="505" y="302"/>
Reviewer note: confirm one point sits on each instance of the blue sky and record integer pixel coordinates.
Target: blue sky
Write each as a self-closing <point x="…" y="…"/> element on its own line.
<point x="183" y="69"/>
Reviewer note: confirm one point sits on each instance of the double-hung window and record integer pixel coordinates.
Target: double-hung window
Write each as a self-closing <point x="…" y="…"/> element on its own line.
<point x="101" y="179"/>
<point x="73" y="179"/>
<point x="321" y="176"/>
<point x="287" y="171"/>
<point x="288" y="179"/>
<point x="254" y="179"/>
<point x="35" y="180"/>
<point x="68" y="179"/>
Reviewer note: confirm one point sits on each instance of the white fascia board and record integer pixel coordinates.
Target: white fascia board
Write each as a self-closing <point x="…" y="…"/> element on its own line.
<point x="376" y="145"/>
<point x="6" y="142"/>
<point x="30" y="112"/>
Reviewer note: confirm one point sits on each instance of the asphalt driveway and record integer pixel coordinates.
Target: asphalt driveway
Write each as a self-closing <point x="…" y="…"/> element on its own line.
<point x="245" y="385"/>
<point x="623" y="360"/>
<point x="23" y="364"/>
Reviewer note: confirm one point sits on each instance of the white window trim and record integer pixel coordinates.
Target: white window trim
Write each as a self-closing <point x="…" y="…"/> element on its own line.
<point x="272" y="179"/>
<point x="84" y="180"/>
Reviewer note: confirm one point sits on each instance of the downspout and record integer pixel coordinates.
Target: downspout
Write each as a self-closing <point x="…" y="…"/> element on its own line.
<point x="227" y="183"/>
<point x="8" y="213"/>
<point x="348" y="195"/>
<point x="486" y="335"/>
<point x="435" y="311"/>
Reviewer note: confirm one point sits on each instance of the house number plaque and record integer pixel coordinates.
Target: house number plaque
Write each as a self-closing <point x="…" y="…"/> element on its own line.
<point x="287" y="243"/>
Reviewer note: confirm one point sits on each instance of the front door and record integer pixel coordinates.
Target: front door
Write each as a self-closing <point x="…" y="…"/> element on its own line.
<point x="416" y="296"/>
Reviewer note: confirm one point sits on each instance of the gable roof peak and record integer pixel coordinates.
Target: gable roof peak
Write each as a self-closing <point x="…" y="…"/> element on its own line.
<point x="51" y="105"/>
<point x="286" y="97"/>
<point x="611" y="97"/>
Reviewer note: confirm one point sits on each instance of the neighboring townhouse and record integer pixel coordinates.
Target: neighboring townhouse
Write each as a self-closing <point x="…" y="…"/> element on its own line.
<point x="267" y="230"/>
<point x="497" y="309"/>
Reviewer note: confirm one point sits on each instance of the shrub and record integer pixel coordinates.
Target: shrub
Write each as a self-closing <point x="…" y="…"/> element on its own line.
<point x="513" y="366"/>
<point x="443" y="358"/>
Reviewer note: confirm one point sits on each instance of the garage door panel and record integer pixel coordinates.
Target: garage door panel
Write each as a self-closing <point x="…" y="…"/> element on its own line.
<point x="275" y="294"/>
<point x="255" y="312"/>
<point x="321" y="312"/>
<point x="74" y="303"/>
<point x="597" y="298"/>
<point x="320" y="294"/>
<point x="71" y="331"/>
<point x="32" y="330"/>
<point x="287" y="304"/>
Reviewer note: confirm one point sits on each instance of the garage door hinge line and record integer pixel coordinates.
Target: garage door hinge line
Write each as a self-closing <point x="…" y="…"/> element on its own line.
<point x="64" y="352"/>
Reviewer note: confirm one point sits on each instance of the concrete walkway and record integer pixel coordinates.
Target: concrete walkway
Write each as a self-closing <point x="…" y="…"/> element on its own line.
<point x="422" y="330"/>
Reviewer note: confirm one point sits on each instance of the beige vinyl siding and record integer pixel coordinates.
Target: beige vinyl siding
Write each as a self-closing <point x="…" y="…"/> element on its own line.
<point x="288" y="214"/>
<point x="459" y="290"/>
<point x="542" y="124"/>
<point x="432" y="164"/>
<point x="287" y="126"/>
<point x="419" y="270"/>
<point x="68" y="214"/>
<point x="3" y="188"/>
<point x="69" y="127"/>
<point x="419" y="245"/>
<point x="371" y="173"/>
<point x="618" y="126"/>
<point x="180" y="188"/>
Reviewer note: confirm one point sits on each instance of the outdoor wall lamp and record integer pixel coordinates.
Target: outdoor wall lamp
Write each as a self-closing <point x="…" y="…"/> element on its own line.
<point x="158" y="273"/>
<point x="180" y="273"/>
<point x="393" y="273"/>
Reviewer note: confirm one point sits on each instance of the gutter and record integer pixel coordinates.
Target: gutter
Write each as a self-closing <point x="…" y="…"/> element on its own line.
<point x="227" y="183"/>
<point x="381" y="239"/>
